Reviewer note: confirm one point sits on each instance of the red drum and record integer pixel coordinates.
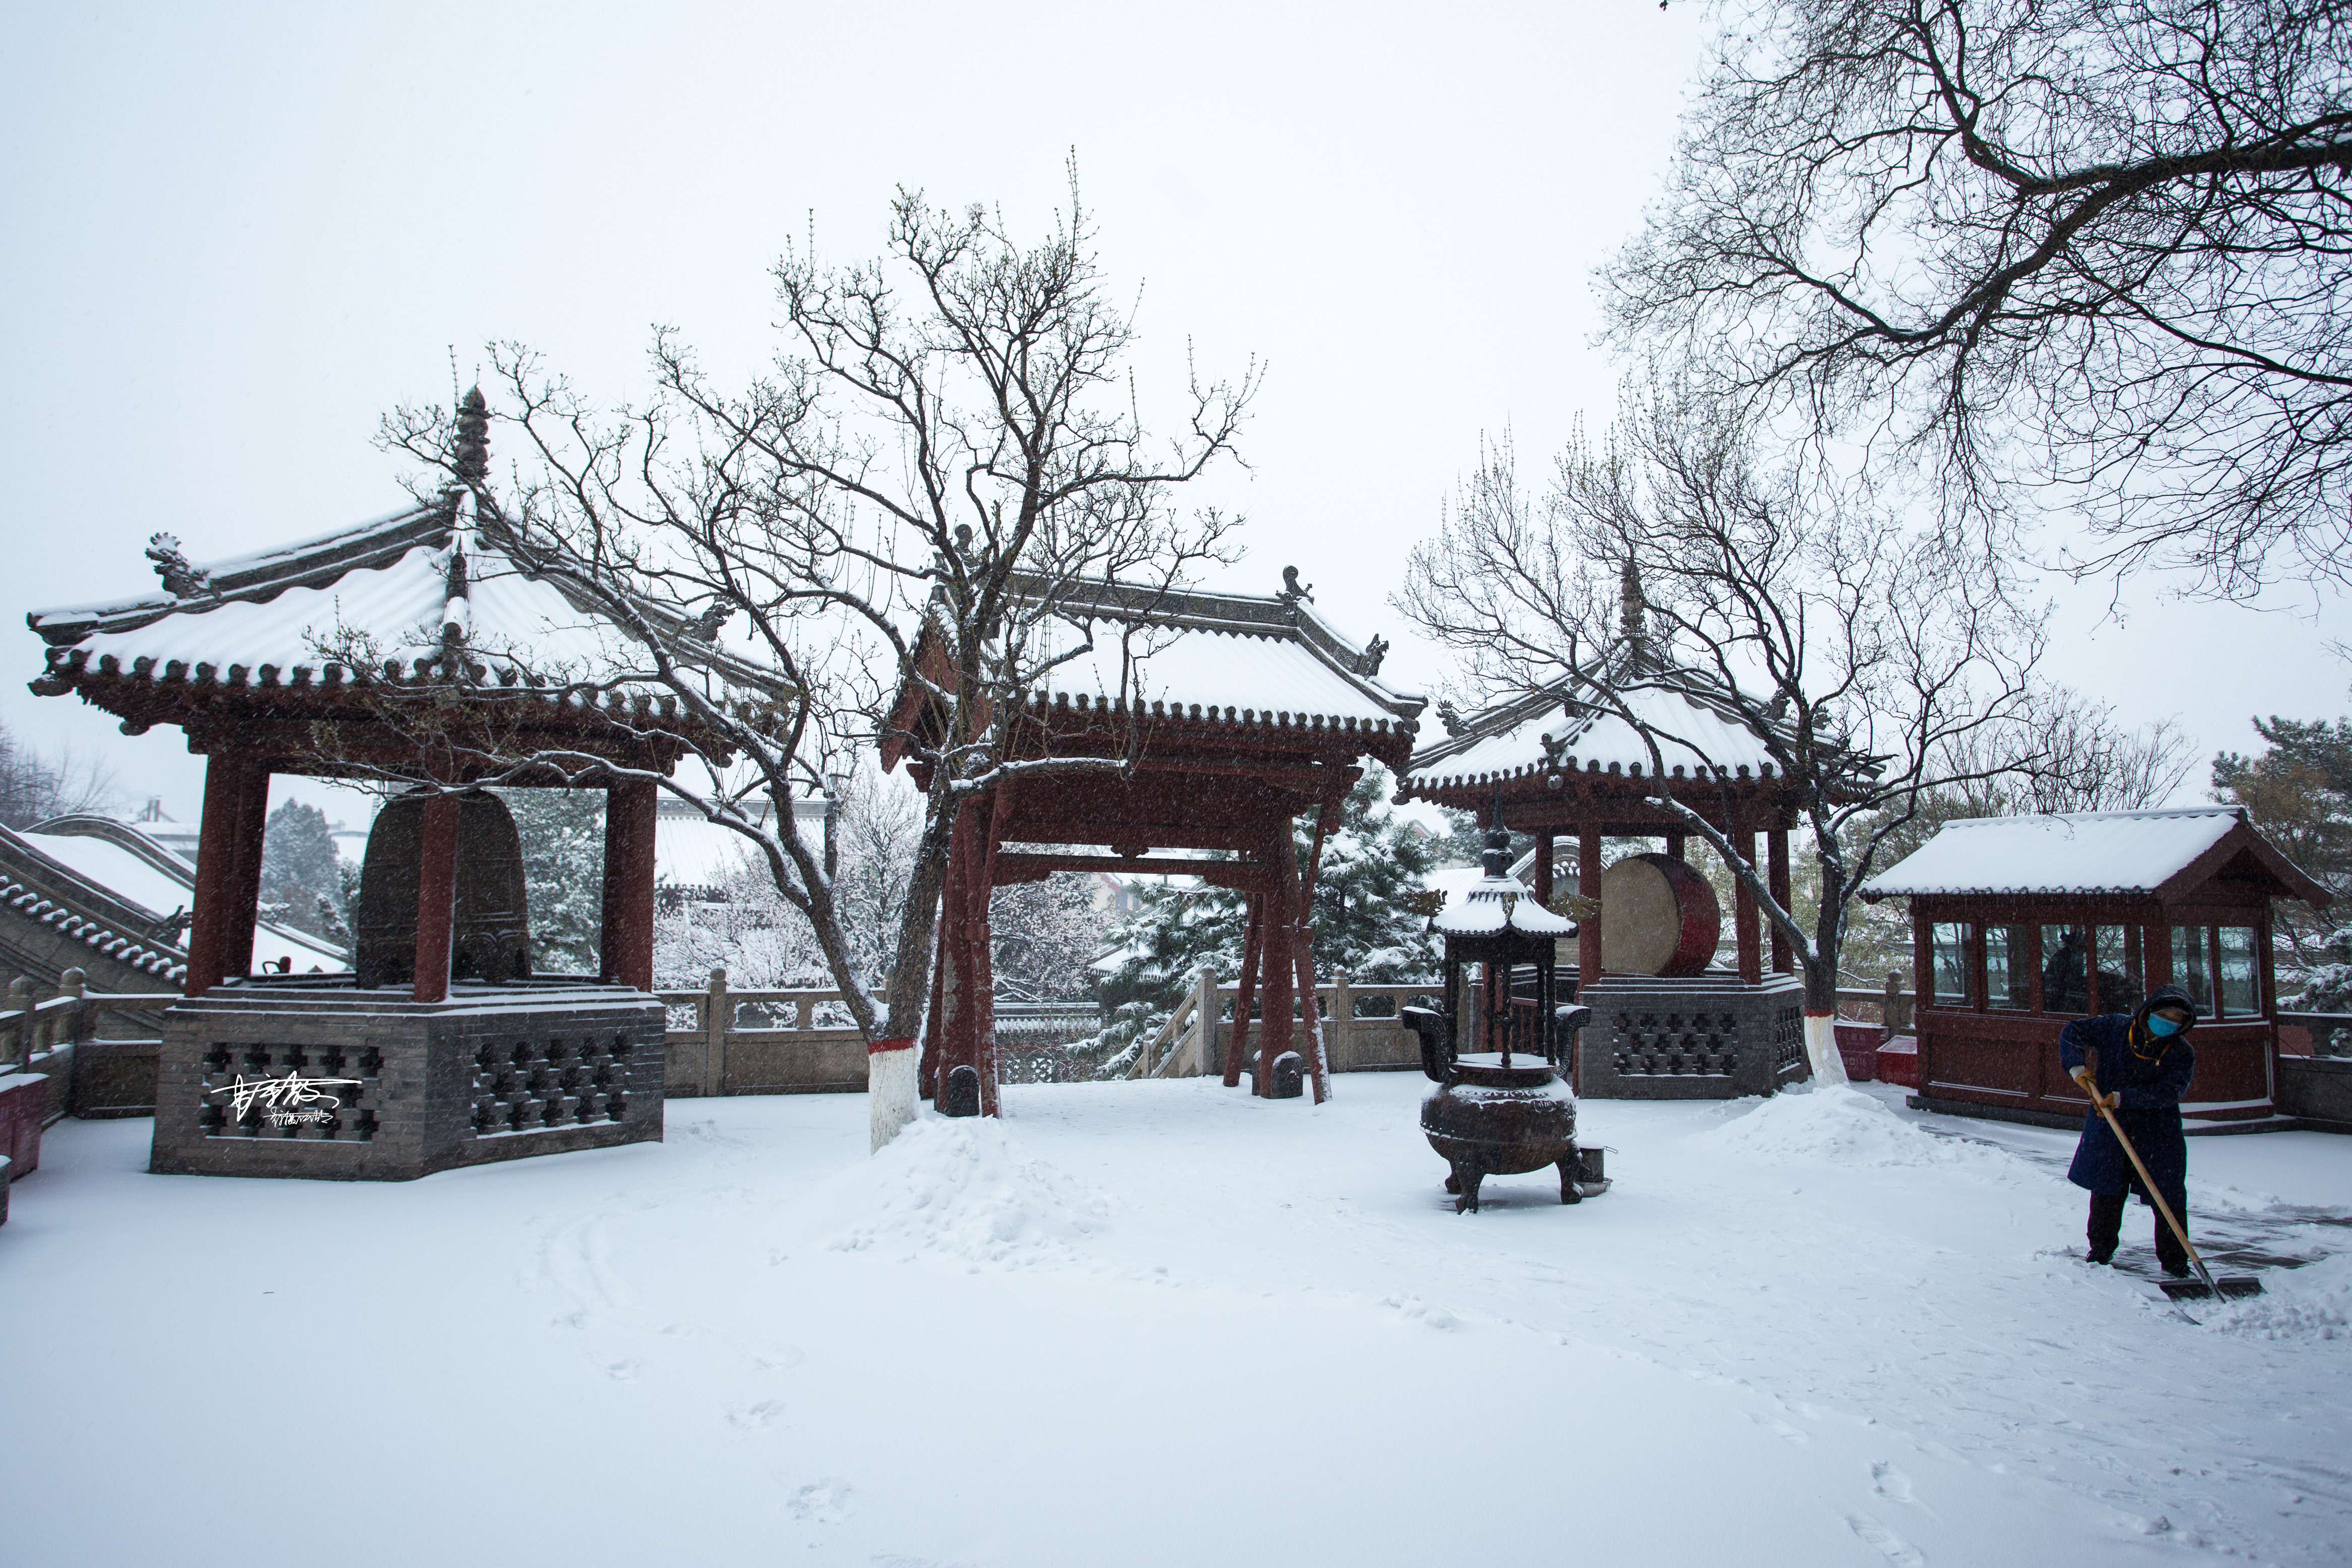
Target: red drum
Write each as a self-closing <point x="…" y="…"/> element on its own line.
<point x="1658" y="916"/>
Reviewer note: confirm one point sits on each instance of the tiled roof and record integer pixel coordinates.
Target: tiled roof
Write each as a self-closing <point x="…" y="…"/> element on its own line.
<point x="2073" y="852"/>
<point x="1217" y="658"/>
<point x="35" y="887"/>
<point x="381" y="603"/>
<point x="1563" y="729"/>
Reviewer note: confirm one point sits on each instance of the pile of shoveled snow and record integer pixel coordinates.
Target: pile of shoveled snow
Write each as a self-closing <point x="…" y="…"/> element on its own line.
<point x="2313" y="1302"/>
<point x="1837" y="1125"/>
<point x="963" y="1187"/>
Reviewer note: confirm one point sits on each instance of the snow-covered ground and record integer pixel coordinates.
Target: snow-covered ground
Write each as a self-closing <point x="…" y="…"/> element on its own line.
<point x="1164" y="1323"/>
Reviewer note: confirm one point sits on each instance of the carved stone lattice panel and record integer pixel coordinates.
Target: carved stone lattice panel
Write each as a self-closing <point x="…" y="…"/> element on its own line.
<point x="1696" y="1042"/>
<point x="1701" y="1037"/>
<point x="1788" y="1042"/>
<point x="536" y="1082"/>
<point x="332" y="1112"/>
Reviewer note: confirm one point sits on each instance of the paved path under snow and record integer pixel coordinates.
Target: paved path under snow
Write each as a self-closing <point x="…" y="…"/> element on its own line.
<point x="1166" y="1323"/>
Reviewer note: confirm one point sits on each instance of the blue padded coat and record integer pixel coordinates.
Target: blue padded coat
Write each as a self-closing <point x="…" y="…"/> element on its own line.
<point x="2150" y="1074"/>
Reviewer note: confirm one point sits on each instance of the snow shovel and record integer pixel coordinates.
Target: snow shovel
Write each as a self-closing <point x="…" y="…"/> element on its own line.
<point x="2204" y="1287"/>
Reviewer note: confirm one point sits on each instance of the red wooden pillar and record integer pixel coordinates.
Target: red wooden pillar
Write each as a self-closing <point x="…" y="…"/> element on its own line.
<point x="1776" y="840"/>
<point x="1587" y="883"/>
<point x="1302" y="946"/>
<point x="1253" y="945"/>
<point x="436" y="899"/>
<point x="1677" y="845"/>
<point x="228" y="871"/>
<point x="627" y="946"/>
<point x="1745" y="917"/>
<point x="989" y="825"/>
<point x="1544" y="852"/>
<point x="1278" y="950"/>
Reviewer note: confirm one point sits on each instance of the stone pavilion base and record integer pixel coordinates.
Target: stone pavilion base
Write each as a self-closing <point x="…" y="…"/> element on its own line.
<point x="1701" y="1037"/>
<point x="497" y="1072"/>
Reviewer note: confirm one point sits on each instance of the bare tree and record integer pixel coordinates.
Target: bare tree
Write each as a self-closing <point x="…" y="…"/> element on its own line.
<point x="35" y="786"/>
<point x="1864" y="656"/>
<point x="943" y="450"/>
<point x="2104" y="246"/>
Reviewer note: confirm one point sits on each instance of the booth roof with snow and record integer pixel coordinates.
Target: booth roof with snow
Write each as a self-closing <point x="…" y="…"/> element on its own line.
<point x="2019" y="923"/>
<point x="1238" y="714"/>
<point x="421" y="647"/>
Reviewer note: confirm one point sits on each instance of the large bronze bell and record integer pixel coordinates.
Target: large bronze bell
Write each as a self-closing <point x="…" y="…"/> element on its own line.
<point x="492" y="937"/>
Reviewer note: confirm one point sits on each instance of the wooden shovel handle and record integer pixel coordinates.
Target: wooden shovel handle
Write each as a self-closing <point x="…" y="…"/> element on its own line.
<point x="2148" y="1182"/>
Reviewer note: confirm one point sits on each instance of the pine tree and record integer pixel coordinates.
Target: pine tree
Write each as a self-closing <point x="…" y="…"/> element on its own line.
<point x="1362" y="928"/>
<point x="2299" y="793"/>
<point x="302" y="872"/>
<point x="563" y="833"/>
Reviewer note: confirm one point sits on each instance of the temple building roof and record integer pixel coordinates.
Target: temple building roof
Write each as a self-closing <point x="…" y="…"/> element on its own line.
<point x="1227" y="664"/>
<point x="404" y="601"/>
<point x="2156" y="853"/>
<point x="1552" y="731"/>
<point x="105" y="885"/>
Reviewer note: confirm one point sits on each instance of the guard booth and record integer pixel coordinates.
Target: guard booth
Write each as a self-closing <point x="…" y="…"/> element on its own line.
<point x="2020" y="924"/>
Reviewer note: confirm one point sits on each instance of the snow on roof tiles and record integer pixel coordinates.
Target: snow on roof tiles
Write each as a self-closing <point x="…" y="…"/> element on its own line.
<point x="1247" y="671"/>
<point x="2073" y="852"/>
<point x="1706" y="743"/>
<point x="398" y="606"/>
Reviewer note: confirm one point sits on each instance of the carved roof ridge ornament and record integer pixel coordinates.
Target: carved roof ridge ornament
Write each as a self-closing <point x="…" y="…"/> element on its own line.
<point x="181" y="579"/>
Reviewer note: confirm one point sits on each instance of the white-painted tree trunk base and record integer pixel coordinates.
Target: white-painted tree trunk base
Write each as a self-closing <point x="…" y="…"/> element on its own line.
<point x="1822" y="1048"/>
<point x="891" y="1091"/>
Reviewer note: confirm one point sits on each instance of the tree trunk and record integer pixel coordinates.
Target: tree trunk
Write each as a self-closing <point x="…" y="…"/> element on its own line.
<point x="1821" y="1022"/>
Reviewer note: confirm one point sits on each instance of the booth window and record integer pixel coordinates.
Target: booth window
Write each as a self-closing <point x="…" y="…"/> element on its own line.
<point x="2009" y="967"/>
<point x="1948" y="950"/>
<point x="2239" y="977"/>
<point x="2192" y="965"/>
<point x="2122" y="986"/>
<point x="2066" y="970"/>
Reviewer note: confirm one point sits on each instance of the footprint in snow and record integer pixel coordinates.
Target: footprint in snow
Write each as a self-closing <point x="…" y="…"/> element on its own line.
<point x="821" y="1502"/>
<point x="751" y="1417"/>
<point x="623" y="1370"/>
<point x="1780" y="1429"/>
<point x="1888" y="1544"/>
<point x="1889" y="1482"/>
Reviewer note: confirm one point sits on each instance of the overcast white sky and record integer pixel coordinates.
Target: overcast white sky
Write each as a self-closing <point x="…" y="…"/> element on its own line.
<point x="236" y="234"/>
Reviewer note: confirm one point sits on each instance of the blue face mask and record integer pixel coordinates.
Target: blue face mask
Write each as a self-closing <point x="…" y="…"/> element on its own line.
<point x="2160" y="1025"/>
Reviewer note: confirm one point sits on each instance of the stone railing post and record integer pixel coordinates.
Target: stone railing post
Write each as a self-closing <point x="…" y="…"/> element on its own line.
<point x="1342" y="1014"/>
<point x="804" y="1012"/>
<point x="1897" y="1008"/>
<point x="75" y="985"/>
<point x="18" y="1055"/>
<point x="1204" y="1021"/>
<point x="718" y="1014"/>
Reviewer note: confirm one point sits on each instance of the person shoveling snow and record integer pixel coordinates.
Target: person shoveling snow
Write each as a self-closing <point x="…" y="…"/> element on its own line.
<point x="2132" y="1140"/>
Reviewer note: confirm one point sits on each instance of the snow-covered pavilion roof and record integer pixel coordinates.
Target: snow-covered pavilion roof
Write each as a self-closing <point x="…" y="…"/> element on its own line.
<point x="1549" y="731"/>
<point x="384" y="601"/>
<point x="2111" y="852"/>
<point x="1223" y="661"/>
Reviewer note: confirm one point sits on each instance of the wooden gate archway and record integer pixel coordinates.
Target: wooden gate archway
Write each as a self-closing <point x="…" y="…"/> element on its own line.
<point x="1245" y="714"/>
